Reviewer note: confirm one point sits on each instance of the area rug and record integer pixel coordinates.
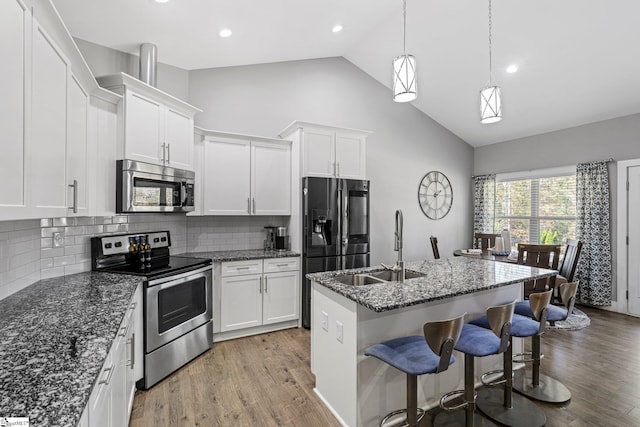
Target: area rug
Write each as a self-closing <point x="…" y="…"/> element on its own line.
<point x="576" y="320"/>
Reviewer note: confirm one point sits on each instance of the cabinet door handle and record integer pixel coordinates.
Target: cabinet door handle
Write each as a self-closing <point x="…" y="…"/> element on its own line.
<point x="168" y="153"/>
<point x="242" y="268"/>
<point x="282" y="265"/>
<point x="254" y="204"/>
<point x="335" y="172"/>
<point x="338" y="166"/>
<point x="75" y="196"/>
<point x="265" y="284"/>
<point x="107" y="379"/>
<point x="132" y="342"/>
<point x="260" y="289"/>
<point x="248" y="205"/>
<point x="164" y="147"/>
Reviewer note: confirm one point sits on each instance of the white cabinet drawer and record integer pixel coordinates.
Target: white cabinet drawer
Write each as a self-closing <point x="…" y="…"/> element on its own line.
<point x="274" y="265"/>
<point x="241" y="268"/>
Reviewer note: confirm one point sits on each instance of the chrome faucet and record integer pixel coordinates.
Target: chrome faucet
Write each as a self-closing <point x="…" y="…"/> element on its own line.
<point x="398" y="244"/>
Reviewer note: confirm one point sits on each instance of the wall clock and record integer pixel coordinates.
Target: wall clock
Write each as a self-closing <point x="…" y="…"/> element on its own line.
<point x="435" y="195"/>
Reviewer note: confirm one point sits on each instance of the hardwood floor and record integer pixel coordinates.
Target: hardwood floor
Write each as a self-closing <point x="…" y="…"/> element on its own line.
<point x="265" y="381"/>
<point x="262" y="380"/>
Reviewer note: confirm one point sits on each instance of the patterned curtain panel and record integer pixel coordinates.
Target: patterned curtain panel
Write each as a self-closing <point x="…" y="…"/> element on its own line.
<point x="592" y="228"/>
<point x="484" y="189"/>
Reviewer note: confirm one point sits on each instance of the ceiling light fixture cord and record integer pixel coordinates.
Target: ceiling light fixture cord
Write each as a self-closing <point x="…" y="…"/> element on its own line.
<point x="404" y="27"/>
<point x="490" y="25"/>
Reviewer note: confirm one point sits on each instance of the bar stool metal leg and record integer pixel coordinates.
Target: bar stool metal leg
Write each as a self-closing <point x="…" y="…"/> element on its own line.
<point x="539" y="386"/>
<point x="504" y="407"/>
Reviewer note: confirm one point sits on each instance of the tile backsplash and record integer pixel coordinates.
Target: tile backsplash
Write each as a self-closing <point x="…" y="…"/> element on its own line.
<point x="31" y="250"/>
<point x="217" y="233"/>
<point x="74" y="253"/>
<point x="19" y="255"/>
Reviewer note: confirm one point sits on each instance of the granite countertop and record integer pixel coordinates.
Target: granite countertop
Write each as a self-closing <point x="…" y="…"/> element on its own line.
<point x="443" y="278"/>
<point x="243" y="255"/>
<point x="54" y="338"/>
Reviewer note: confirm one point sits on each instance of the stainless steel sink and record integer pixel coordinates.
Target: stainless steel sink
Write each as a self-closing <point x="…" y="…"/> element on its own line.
<point x="358" y="279"/>
<point x="394" y="276"/>
<point x="376" y="277"/>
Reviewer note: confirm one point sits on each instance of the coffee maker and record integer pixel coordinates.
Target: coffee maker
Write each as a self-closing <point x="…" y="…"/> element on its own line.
<point x="277" y="239"/>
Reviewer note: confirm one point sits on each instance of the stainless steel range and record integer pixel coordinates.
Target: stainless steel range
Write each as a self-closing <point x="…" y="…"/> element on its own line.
<point x="177" y="298"/>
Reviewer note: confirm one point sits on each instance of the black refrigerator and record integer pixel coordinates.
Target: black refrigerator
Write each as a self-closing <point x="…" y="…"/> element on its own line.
<point x="335" y="229"/>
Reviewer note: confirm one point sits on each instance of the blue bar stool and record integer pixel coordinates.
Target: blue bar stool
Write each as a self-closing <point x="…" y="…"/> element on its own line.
<point x="476" y="341"/>
<point x="501" y="405"/>
<point x="536" y="385"/>
<point x="417" y="355"/>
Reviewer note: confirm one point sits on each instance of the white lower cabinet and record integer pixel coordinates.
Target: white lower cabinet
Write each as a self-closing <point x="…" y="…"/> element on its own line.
<point x="258" y="293"/>
<point x="112" y="397"/>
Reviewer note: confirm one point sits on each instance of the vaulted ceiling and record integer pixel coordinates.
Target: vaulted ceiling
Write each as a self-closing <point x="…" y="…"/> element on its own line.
<point x="577" y="60"/>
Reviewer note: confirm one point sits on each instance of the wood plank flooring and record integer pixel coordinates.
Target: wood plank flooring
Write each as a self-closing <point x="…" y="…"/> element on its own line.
<point x="265" y="381"/>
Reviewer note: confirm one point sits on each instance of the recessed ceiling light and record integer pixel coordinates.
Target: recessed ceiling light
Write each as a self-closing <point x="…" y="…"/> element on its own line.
<point x="337" y="28"/>
<point x="512" y="68"/>
<point x="162" y="1"/>
<point x="225" y="33"/>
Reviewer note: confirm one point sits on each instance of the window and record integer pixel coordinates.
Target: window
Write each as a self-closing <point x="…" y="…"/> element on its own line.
<point x="540" y="208"/>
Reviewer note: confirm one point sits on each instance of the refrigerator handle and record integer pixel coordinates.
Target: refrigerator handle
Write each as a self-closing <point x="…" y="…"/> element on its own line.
<point x="345" y="221"/>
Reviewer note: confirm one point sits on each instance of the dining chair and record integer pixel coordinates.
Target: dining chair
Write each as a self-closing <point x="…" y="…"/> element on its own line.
<point x="485" y="241"/>
<point x="569" y="263"/>
<point x="434" y="247"/>
<point x="543" y="256"/>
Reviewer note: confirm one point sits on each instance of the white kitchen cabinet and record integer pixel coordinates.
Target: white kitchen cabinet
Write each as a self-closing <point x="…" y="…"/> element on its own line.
<point x="49" y="78"/>
<point x="256" y="294"/>
<point x="103" y="123"/>
<point x="111" y="399"/>
<point x="155" y="127"/>
<point x="15" y="24"/>
<point x="45" y="116"/>
<point x="328" y="151"/>
<point x="227" y="177"/>
<point x="241" y="176"/>
<point x="241" y="302"/>
<point x="80" y="154"/>
<point x="270" y="178"/>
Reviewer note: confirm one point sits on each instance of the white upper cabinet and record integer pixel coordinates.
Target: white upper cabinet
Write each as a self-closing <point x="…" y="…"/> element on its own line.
<point x="244" y="175"/>
<point x="158" y="128"/>
<point x="48" y="125"/>
<point x="226" y="178"/>
<point x="51" y="152"/>
<point x="328" y="151"/>
<point x="79" y="151"/>
<point x="320" y="153"/>
<point x="271" y="178"/>
<point x="142" y="128"/>
<point x="15" y="21"/>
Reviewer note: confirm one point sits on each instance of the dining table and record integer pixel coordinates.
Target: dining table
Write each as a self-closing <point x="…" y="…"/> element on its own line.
<point x="486" y="254"/>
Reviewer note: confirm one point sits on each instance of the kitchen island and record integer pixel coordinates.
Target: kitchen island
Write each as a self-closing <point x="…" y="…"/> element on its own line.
<point x="346" y="319"/>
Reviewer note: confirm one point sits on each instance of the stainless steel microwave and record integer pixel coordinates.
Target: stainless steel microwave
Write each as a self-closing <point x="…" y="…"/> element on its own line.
<point x="144" y="187"/>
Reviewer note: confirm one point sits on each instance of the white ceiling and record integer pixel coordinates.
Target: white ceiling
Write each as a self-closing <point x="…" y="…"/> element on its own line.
<point x="578" y="60"/>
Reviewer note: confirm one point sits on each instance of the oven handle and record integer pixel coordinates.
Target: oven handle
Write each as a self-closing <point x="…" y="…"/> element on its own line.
<point x="179" y="276"/>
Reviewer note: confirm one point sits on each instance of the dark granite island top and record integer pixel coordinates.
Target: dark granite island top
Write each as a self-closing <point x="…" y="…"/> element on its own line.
<point x="243" y="255"/>
<point x="54" y="338"/>
<point x="443" y="278"/>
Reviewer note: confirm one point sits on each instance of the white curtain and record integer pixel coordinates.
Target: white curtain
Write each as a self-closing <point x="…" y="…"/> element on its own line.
<point x="484" y="190"/>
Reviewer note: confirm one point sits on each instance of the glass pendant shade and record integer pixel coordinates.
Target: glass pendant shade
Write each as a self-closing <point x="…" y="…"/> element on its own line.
<point x="404" y="78"/>
<point x="490" y="105"/>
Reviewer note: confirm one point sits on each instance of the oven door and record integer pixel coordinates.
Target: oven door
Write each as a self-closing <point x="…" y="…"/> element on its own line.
<point x="176" y="305"/>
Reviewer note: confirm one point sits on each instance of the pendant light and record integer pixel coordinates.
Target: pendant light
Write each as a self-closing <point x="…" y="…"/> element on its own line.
<point x="404" y="69"/>
<point x="490" y="96"/>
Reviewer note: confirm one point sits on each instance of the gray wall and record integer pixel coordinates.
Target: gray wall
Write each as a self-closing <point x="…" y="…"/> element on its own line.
<point x="617" y="138"/>
<point x="104" y="61"/>
<point x="405" y="143"/>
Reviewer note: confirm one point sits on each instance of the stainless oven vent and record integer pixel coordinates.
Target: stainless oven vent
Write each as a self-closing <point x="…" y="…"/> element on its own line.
<point x="148" y="63"/>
